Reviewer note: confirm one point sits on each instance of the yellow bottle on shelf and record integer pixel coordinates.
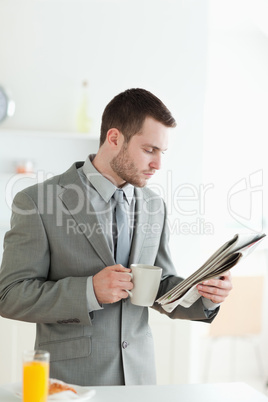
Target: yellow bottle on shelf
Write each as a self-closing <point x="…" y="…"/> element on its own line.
<point x="83" y="122"/>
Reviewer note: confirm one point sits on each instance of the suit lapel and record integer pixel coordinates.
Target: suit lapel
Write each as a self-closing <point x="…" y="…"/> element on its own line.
<point x="75" y="200"/>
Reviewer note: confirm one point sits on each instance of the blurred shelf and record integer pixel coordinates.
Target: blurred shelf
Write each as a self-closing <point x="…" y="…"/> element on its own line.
<point x="7" y="176"/>
<point x="18" y="181"/>
<point x="49" y="134"/>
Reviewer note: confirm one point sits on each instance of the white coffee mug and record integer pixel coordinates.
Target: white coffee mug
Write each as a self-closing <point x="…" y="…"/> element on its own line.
<point x="146" y="281"/>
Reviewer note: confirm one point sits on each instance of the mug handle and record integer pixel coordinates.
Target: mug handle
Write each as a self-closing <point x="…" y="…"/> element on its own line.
<point x="128" y="291"/>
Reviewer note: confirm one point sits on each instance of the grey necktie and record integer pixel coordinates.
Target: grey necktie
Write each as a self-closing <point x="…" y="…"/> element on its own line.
<point x="123" y="241"/>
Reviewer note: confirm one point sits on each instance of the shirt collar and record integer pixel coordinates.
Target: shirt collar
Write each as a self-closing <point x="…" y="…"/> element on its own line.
<point x="103" y="186"/>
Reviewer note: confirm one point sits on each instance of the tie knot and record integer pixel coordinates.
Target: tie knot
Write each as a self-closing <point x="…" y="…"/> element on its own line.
<point x="119" y="196"/>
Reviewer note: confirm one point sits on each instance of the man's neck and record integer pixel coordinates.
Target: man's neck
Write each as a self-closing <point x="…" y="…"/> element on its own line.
<point x="101" y="162"/>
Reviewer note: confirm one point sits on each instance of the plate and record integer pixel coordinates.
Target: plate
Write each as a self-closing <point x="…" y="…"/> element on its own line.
<point x="83" y="393"/>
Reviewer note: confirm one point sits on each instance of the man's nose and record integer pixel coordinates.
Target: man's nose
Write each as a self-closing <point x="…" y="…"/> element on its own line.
<point x="156" y="162"/>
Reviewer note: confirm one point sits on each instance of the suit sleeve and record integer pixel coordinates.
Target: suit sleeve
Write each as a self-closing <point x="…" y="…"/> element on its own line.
<point x="197" y="312"/>
<point x="25" y="292"/>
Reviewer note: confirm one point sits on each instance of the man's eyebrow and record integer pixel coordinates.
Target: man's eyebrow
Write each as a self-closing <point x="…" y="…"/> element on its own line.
<point x="155" y="147"/>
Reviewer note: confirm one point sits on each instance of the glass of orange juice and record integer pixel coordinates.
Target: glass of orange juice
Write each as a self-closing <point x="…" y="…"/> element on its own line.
<point x="35" y="376"/>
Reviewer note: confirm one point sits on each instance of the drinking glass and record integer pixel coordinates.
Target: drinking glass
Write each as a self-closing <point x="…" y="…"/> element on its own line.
<point x="35" y="375"/>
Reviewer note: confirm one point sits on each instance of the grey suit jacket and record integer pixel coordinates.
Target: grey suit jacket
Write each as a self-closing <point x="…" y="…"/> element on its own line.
<point x="50" y="252"/>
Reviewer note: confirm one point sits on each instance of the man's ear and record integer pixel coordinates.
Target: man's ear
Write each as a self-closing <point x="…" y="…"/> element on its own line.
<point x="114" y="138"/>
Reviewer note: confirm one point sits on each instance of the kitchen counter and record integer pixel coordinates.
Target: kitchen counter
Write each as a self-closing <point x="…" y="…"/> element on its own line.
<point x="220" y="392"/>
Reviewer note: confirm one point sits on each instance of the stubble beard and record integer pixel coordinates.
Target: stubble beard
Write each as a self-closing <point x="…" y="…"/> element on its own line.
<point x="125" y="168"/>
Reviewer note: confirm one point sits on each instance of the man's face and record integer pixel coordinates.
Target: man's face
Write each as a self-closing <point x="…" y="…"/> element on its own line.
<point x="138" y="160"/>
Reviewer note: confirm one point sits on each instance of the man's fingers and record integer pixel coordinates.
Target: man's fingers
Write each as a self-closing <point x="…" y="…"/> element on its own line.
<point x="110" y="284"/>
<point x="119" y="268"/>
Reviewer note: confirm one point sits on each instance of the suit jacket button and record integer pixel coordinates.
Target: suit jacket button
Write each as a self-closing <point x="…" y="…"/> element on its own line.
<point x="124" y="345"/>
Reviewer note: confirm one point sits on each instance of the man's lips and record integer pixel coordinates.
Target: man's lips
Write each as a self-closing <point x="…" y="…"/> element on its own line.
<point x="149" y="174"/>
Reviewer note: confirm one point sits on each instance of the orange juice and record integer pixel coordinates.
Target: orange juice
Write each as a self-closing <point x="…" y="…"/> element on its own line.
<point x="35" y="381"/>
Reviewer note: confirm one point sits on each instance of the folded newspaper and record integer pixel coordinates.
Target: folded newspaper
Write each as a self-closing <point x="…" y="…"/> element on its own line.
<point x="226" y="257"/>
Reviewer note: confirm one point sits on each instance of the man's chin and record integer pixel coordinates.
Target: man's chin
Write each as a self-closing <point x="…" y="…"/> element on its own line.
<point x="142" y="185"/>
<point x="139" y="184"/>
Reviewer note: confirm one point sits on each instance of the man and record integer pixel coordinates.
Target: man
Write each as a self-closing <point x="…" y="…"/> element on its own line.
<point x="59" y="266"/>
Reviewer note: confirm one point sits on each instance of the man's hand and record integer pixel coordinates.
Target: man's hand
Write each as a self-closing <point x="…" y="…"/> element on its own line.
<point x="110" y="284"/>
<point x="216" y="290"/>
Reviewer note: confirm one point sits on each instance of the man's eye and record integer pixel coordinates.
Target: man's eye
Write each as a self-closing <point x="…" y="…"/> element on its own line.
<point x="149" y="151"/>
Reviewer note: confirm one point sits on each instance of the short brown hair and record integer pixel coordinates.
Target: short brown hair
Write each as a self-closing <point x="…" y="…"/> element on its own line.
<point x="128" y="110"/>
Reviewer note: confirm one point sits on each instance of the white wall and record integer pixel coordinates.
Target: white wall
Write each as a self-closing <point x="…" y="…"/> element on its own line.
<point x="235" y="152"/>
